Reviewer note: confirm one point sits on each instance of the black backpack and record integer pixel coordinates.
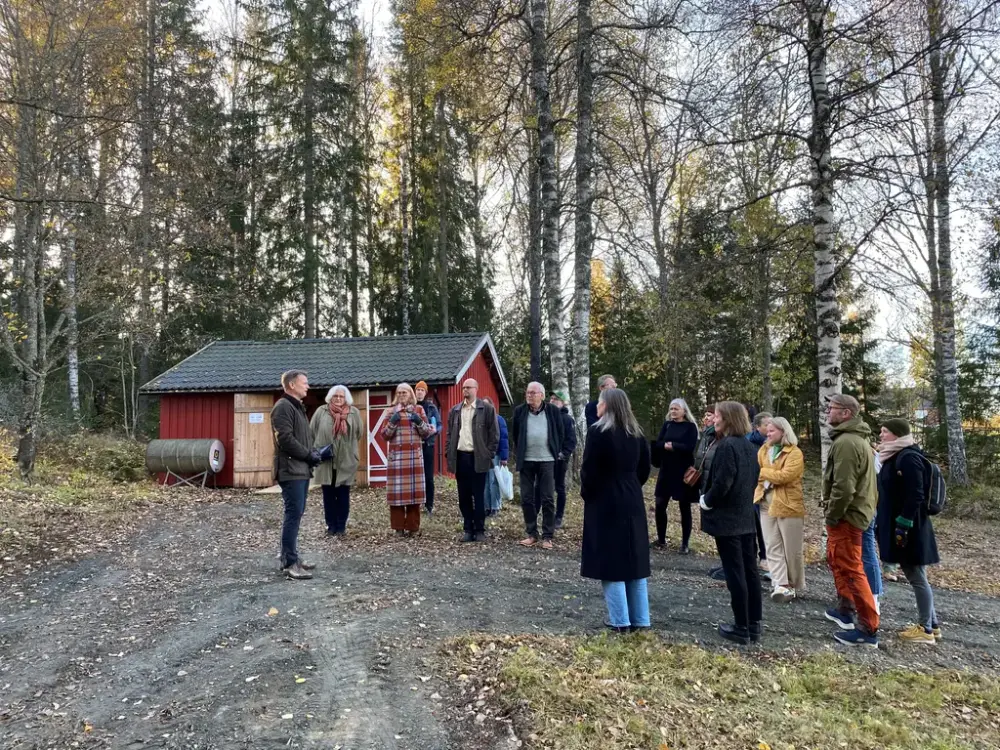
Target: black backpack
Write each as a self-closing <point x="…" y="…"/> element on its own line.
<point x="935" y="490"/>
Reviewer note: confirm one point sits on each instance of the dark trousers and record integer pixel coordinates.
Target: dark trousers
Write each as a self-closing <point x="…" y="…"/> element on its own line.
<point x="429" y="475"/>
<point x="336" y="507"/>
<point x="293" y="492"/>
<point x="661" y="519"/>
<point x="560" y="478"/>
<point x="761" y="547"/>
<point x="739" y="561"/>
<point x="471" y="493"/>
<point x="538" y="489"/>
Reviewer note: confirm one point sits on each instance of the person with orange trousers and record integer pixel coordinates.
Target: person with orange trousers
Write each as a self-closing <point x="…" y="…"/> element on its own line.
<point x="850" y="495"/>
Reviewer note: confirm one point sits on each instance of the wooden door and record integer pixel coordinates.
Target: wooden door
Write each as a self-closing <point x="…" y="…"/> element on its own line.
<point x="253" y="444"/>
<point x="360" y="398"/>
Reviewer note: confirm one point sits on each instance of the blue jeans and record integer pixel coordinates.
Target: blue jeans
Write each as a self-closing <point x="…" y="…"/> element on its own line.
<point x="628" y="603"/>
<point x="869" y="558"/>
<point x="494" y="500"/>
<point x="293" y="492"/>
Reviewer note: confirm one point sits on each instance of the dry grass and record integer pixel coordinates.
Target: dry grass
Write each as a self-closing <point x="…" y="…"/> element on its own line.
<point x="638" y="692"/>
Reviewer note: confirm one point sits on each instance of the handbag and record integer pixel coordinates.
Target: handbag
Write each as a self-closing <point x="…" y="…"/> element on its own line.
<point x="692" y="476"/>
<point x="506" y="481"/>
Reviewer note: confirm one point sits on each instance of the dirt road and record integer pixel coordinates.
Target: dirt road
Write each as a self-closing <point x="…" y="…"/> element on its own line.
<point x="168" y="642"/>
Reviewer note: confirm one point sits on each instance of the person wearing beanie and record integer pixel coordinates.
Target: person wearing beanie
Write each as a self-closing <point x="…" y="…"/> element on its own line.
<point x="905" y="532"/>
<point x="430" y="442"/>
<point x="560" y="400"/>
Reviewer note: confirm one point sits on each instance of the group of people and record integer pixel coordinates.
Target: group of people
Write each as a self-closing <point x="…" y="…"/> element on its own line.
<point x="745" y="477"/>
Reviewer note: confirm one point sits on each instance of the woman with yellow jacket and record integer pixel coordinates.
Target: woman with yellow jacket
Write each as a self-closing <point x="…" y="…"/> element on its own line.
<point x="782" y="508"/>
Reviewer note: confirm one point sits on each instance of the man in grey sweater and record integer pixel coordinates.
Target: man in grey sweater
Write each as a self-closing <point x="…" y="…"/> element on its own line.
<point x="538" y="441"/>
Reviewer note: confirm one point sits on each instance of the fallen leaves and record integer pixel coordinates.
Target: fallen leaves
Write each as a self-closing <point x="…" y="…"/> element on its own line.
<point x="272" y="612"/>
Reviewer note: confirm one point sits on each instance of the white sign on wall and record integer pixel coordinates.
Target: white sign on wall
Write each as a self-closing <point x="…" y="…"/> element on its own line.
<point x="256" y="418"/>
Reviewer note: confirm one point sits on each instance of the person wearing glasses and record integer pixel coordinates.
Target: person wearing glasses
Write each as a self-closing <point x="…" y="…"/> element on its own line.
<point x="850" y="495"/>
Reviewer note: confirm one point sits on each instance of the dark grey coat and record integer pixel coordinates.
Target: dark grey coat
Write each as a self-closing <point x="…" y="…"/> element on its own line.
<point x="292" y="439"/>
<point x="615" y="531"/>
<point x="729" y="489"/>
<point x="485" y="436"/>
<point x="902" y="491"/>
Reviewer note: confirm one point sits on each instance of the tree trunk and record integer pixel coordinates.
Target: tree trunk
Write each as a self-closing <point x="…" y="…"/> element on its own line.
<point x="550" y="195"/>
<point x="827" y="306"/>
<point x="442" y="211"/>
<point x="584" y="232"/>
<point x="147" y="121"/>
<point x="72" y="330"/>
<point x="310" y="266"/>
<point x="535" y="261"/>
<point x="957" y="467"/>
<point x="764" y="284"/>
<point x="404" y="283"/>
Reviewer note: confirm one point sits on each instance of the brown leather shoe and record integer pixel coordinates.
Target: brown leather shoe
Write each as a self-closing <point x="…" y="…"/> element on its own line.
<point x="528" y="542"/>
<point x="297" y="572"/>
<point x="546" y="544"/>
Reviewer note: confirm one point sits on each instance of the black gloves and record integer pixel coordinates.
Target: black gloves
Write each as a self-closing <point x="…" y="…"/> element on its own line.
<point x="314" y="458"/>
<point x="902" y="535"/>
<point x="394" y="418"/>
<point x="326" y="452"/>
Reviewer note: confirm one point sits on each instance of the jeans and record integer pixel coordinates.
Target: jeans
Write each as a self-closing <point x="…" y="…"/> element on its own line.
<point x="739" y="561"/>
<point x="843" y="554"/>
<point x="293" y="492"/>
<point x="429" y="475"/>
<point x="471" y="493"/>
<point x="336" y="507"/>
<point x="628" y="603"/>
<point x="917" y="576"/>
<point x="560" y="481"/>
<point x="869" y="558"/>
<point x="661" y="519"/>
<point x="538" y="487"/>
<point x="494" y="500"/>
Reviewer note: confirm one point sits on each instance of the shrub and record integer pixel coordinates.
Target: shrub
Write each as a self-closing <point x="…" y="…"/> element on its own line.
<point x="115" y="458"/>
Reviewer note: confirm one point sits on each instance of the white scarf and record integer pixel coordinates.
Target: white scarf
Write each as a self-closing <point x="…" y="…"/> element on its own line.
<point x="887" y="450"/>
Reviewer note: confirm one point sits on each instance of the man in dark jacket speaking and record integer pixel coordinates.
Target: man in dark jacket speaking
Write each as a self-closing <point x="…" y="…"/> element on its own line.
<point x="538" y="441"/>
<point x="294" y="460"/>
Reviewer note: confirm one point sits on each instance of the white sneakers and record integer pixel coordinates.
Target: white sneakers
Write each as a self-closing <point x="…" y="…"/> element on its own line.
<point x="782" y="594"/>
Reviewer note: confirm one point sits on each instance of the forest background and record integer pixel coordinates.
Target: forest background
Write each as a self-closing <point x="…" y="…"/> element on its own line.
<point x="762" y="201"/>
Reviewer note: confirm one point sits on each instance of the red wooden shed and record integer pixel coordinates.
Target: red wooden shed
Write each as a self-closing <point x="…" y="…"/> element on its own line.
<point x="226" y="390"/>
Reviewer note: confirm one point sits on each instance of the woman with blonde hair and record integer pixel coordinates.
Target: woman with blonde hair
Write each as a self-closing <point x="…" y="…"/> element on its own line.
<point x="340" y="426"/>
<point x="673" y="453"/>
<point x="405" y="429"/>
<point x="782" y="508"/>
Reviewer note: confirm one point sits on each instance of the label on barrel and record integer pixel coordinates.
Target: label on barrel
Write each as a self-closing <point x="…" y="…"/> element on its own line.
<point x="257" y="418"/>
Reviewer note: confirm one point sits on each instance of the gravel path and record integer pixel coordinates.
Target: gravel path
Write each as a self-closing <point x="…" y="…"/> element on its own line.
<point x="188" y="638"/>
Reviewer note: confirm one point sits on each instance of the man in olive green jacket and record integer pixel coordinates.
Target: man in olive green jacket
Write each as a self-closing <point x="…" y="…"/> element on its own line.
<point x="850" y="494"/>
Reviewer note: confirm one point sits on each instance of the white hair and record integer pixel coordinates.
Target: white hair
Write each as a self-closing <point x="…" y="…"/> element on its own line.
<point x="688" y="416"/>
<point x="542" y="387"/>
<point x="342" y="389"/>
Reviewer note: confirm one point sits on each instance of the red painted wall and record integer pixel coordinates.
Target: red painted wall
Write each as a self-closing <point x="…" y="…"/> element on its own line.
<point x="201" y="416"/>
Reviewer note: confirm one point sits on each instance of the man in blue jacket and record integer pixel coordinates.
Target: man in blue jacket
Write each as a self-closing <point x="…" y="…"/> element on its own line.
<point x="559" y="400"/>
<point x="590" y="411"/>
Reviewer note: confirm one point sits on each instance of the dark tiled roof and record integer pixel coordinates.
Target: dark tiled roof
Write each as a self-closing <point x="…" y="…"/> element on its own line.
<point x="354" y="362"/>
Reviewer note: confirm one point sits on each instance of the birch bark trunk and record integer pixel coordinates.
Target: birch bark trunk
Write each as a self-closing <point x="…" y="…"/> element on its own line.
<point x="535" y="261"/>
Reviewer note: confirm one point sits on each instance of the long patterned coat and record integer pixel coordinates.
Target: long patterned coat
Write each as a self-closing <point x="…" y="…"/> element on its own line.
<point x="405" y="484"/>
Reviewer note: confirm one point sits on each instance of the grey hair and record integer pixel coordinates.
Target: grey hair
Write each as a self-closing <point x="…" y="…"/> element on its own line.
<point x="761" y="418"/>
<point x="289" y="377"/>
<point x="788" y="436"/>
<point x="342" y="389"/>
<point x="604" y="379"/>
<point x="688" y="416"/>
<point x="618" y="413"/>
<point x="534" y="382"/>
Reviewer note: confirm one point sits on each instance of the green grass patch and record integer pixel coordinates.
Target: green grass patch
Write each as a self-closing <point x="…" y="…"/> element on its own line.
<point x="638" y="692"/>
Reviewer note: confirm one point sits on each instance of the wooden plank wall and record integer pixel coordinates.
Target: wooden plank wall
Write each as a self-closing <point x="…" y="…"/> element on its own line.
<point x="253" y="444"/>
<point x="360" y="398"/>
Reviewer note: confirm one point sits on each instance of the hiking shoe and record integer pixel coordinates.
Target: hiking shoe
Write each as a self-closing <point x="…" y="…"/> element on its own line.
<point x="479" y="536"/>
<point x="843" y="620"/>
<point x="735" y="634"/>
<point x="717" y="574"/>
<point x="307" y="565"/>
<point x="917" y="634"/>
<point x="469" y="537"/>
<point x="782" y="595"/>
<point x="297" y="573"/>
<point x="528" y="542"/>
<point x="857" y="637"/>
<point x="684" y="550"/>
<point x="546" y="544"/>
<point x="936" y="632"/>
<point x="617" y="628"/>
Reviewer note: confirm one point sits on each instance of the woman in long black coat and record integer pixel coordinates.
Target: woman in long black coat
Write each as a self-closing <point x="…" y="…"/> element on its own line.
<point x="728" y="515"/>
<point x="615" y="534"/>
<point x="905" y="532"/>
<point x="673" y="453"/>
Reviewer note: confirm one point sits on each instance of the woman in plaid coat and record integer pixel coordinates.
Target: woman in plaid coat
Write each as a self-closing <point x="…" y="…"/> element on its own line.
<point x="405" y="428"/>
